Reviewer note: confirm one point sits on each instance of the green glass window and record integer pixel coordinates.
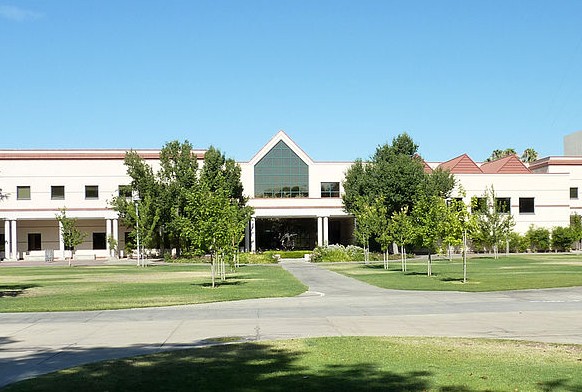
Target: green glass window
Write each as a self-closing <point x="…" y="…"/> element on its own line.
<point x="281" y="173"/>
<point x="23" y="193"/>
<point x="330" y="189"/>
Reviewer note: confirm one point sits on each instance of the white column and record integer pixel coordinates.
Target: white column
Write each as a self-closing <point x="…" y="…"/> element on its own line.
<point x="248" y="237"/>
<point x="14" y="251"/>
<point x="107" y="235"/>
<point x="319" y="231"/>
<point x="325" y="231"/>
<point x="7" y="243"/>
<point x="253" y="236"/>
<point x="61" y="242"/>
<point x="115" y="223"/>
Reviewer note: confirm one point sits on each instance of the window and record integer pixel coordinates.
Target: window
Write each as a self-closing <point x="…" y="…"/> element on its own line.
<point x="526" y="205"/>
<point x="57" y="192"/>
<point x="34" y="241"/>
<point x="99" y="241"/>
<point x="573" y="193"/>
<point x="2" y="243"/>
<point x="281" y="173"/>
<point x="91" y="192"/>
<point x="503" y="205"/>
<point x="330" y="189"/>
<point x="22" y="193"/>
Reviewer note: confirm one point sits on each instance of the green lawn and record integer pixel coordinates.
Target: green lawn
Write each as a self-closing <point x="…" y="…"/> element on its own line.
<point x="55" y="288"/>
<point x="514" y="272"/>
<point x="334" y="364"/>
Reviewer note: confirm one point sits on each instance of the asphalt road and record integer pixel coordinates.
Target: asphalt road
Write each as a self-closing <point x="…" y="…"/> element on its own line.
<point x="37" y="343"/>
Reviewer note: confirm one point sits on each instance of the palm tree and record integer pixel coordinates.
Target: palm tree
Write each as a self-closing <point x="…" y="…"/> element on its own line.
<point x="529" y="155"/>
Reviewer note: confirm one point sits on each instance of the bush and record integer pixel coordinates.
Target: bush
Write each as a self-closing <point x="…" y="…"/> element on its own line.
<point x="517" y="243"/>
<point x="538" y="239"/>
<point x="336" y="253"/>
<point x="288" y="254"/>
<point x="562" y="238"/>
<point x="256" y="258"/>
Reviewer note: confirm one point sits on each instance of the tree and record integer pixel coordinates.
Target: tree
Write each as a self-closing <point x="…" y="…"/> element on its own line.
<point x="538" y="239"/>
<point x="562" y="239"/>
<point x="492" y="225"/>
<point x="365" y="214"/>
<point x="429" y="217"/>
<point x="71" y="235"/>
<point x="498" y="154"/>
<point x="576" y="229"/>
<point x="529" y="155"/>
<point x="402" y="232"/>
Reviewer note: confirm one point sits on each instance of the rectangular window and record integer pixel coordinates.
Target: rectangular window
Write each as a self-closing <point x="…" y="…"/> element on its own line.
<point x="330" y="189"/>
<point x="573" y="193"/>
<point x="91" y="192"/>
<point x="34" y="241"/>
<point x="2" y="243"/>
<point x="57" y="192"/>
<point x="99" y="241"/>
<point x="526" y="205"/>
<point x="22" y="193"/>
<point x="503" y="205"/>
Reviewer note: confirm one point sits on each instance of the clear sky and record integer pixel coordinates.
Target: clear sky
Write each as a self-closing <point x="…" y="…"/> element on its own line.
<point x="340" y="77"/>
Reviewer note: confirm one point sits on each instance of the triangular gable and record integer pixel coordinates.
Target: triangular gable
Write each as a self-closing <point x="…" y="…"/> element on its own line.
<point x="281" y="136"/>
<point x="507" y="165"/>
<point x="462" y="164"/>
<point x="426" y="166"/>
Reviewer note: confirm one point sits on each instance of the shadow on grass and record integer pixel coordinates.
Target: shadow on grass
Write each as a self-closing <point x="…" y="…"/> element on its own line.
<point x="232" y="367"/>
<point x="218" y="283"/>
<point x="451" y="279"/>
<point x="14" y="290"/>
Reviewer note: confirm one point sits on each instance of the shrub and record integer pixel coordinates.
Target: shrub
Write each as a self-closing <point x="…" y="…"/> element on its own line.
<point x="562" y="238"/>
<point x="288" y="254"/>
<point x="538" y="239"/>
<point x="517" y="243"/>
<point x="256" y="258"/>
<point x="333" y="253"/>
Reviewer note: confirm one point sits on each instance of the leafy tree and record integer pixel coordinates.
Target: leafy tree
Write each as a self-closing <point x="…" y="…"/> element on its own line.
<point x="356" y="185"/>
<point x="529" y="155"/>
<point x="576" y="229"/>
<point x="562" y="238"/>
<point x="381" y="226"/>
<point x="365" y="214"/>
<point x="402" y="232"/>
<point x="492" y="226"/>
<point x="538" y="239"/>
<point x="498" y="154"/>
<point x="429" y="217"/>
<point x="221" y="172"/>
<point x="72" y="236"/>
<point x="517" y="243"/>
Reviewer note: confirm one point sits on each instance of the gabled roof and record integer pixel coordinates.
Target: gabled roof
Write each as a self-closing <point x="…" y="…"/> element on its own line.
<point x="281" y="136"/>
<point x="462" y="164"/>
<point x="507" y="165"/>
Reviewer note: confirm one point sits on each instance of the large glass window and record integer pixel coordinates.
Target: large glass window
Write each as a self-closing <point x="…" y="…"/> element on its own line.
<point x="57" y="192"/>
<point x="330" y="189"/>
<point x="22" y="193"/>
<point x="526" y="205"/>
<point x="281" y="173"/>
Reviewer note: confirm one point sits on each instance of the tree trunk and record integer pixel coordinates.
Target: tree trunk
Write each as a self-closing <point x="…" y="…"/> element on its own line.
<point x="404" y="253"/>
<point x="212" y="268"/>
<point x="429" y="264"/>
<point x="402" y="259"/>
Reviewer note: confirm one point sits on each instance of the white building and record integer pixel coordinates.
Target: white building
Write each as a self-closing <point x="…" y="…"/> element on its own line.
<point x="284" y="185"/>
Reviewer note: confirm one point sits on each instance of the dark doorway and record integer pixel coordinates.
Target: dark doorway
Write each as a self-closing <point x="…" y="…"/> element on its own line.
<point x="34" y="241"/>
<point x="99" y="241"/>
<point x="286" y="233"/>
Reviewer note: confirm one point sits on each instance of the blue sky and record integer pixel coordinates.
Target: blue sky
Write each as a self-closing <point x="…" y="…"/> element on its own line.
<point x="340" y="77"/>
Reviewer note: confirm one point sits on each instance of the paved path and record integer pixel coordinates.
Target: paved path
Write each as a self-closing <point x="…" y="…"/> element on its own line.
<point x="37" y="343"/>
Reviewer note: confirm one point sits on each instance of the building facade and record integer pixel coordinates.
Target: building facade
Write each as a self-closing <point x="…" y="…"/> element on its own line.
<point x="297" y="201"/>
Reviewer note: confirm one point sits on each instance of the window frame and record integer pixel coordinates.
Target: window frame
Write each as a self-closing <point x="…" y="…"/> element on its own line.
<point x="331" y="191"/>
<point x="524" y="202"/>
<point x="22" y="188"/>
<point x="503" y="205"/>
<point x="89" y="188"/>
<point x="54" y="196"/>
<point x="574" y="193"/>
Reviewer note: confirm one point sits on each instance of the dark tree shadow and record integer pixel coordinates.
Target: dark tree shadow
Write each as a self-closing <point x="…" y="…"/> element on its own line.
<point x="14" y="290"/>
<point x="451" y="279"/>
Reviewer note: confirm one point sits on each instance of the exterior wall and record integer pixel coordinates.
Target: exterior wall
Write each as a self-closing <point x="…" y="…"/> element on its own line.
<point x="573" y="144"/>
<point x="550" y="193"/>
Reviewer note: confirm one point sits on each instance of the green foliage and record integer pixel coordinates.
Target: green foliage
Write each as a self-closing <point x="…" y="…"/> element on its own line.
<point x="562" y="239"/>
<point x="538" y="239"/>
<point x="72" y="236"/>
<point x="338" y="253"/>
<point x="287" y="254"/>
<point x="517" y="243"/>
<point x="576" y="228"/>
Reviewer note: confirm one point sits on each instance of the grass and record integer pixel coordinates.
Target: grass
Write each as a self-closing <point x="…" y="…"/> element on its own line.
<point x="39" y="289"/>
<point x="334" y="364"/>
<point x="514" y="272"/>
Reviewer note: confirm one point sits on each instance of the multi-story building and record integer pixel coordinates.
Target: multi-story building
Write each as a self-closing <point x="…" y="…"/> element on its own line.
<point x="290" y="193"/>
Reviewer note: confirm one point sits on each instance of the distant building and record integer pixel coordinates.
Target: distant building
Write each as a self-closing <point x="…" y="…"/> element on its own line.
<point x="288" y="190"/>
<point x="573" y="144"/>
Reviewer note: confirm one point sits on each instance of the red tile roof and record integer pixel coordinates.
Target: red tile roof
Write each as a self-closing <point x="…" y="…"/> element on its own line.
<point x="462" y="164"/>
<point x="507" y="165"/>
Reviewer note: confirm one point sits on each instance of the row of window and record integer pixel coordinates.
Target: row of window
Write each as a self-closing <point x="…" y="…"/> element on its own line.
<point x="58" y="192"/>
<point x="503" y="205"/>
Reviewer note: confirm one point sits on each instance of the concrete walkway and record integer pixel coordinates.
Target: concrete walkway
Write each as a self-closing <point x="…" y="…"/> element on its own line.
<point x="37" y="343"/>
